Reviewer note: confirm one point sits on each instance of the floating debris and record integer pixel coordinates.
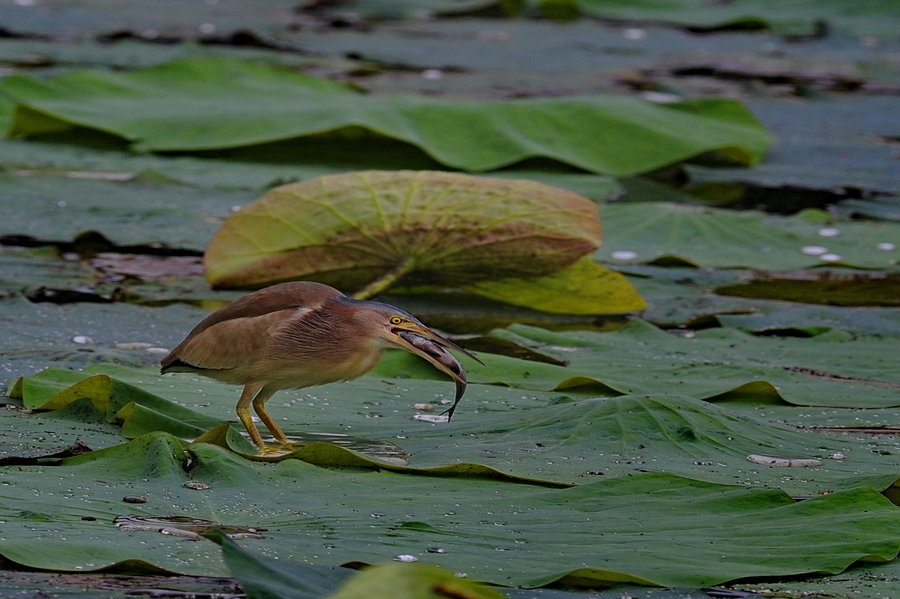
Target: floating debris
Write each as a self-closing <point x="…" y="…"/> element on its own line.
<point x="431" y="417"/>
<point x="132" y="345"/>
<point x="182" y="526"/>
<point x="767" y="460"/>
<point x="100" y="175"/>
<point x="196" y="485"/>
<point x="661" y="97"/>
<point x="147" y="267"/>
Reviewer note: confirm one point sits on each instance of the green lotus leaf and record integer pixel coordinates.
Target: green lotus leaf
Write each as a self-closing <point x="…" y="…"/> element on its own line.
<point x="141" y="412"/>
<point x="504" y="434"/>
<point x="264" y="578"/>
<point x="612" y="530"/>
<point x="831" y="369"/>
<point x="208" y="104"/>
<point x="667" y="233"/>
<point x="799" y="17"/>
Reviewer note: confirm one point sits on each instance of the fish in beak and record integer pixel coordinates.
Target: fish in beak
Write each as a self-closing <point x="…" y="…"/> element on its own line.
<point x="418" y="339"/>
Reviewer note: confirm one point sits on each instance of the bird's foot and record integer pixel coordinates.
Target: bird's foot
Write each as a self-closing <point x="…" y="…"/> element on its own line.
<point x="285" y="442"/>
<point x="271" y="451"/>
<point x="282" y="448"/>
<point x="293" y="445"/>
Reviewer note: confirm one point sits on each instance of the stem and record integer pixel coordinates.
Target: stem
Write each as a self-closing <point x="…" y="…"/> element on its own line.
<point x="385" y="280"/>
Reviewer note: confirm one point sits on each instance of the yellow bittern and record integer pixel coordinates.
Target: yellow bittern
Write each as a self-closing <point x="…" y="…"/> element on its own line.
<point x="296" y="335"/>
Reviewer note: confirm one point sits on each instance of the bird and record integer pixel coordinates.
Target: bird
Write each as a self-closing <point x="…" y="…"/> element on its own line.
<point x="300" y="334"/>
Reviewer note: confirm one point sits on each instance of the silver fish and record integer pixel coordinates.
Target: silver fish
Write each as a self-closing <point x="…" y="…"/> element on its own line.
<point x="444" y="357"/>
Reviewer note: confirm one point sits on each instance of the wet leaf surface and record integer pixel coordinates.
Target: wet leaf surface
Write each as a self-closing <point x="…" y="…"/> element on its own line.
<point x="709" y="364"/>
<point x="566" y="436"/>
<point x="78" y="335"/>
<point x="678" y="234"/>
<point x="127" y="212"/>
<point x="471" y="535"/>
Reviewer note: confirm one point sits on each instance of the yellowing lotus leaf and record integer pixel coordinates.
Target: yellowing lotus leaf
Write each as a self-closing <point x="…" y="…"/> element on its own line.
<point x="584" y="287"/>
<point x="448" y="227"/>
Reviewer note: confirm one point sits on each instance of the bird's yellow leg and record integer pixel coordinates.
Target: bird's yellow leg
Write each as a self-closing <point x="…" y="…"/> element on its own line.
<point x="259" y="405"/>
<point x="243" y="412"/>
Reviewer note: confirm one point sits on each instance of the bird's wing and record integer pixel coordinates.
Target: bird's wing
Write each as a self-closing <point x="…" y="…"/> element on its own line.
<point x="302" y="294"/>
<point x="235" y="343"/>
<point x="228" y="337"/>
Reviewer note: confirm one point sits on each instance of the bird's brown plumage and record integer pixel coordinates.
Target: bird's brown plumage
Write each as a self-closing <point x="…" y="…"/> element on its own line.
<point x="228" y="337"/>
<point x="296" y="335"/>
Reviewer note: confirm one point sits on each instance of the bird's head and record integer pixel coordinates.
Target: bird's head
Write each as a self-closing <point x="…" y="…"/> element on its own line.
<point x="393" y="327"/>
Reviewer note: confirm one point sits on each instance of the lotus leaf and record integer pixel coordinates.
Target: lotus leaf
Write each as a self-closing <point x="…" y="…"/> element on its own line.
<point x="433" y="227"/>
<point x="503" y="435"/>
<point x="266" y="578"/>
<point x="609" y="531"/>
<point x="832" y="369"/>
<point x="126" y="208"/>
<point x="685" y="297"/>
<point x="68" y="21"/>
<point x="584" y="287"/>
<point x="798" y="17"/>
<point x="716" y="238"/>
<point x="601" y="134"/>
<point x="804" y="155"/>
<point x="263" y="578"/>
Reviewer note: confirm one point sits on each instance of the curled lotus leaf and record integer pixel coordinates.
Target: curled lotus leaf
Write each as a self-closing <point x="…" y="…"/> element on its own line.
<point x="426" y="227"/>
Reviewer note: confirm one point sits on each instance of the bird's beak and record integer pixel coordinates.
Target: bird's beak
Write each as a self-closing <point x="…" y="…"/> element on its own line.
<point x="425" y="343"/>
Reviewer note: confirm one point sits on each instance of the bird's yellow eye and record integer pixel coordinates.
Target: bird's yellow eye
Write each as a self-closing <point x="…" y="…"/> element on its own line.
<point x="396" y="320"/>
